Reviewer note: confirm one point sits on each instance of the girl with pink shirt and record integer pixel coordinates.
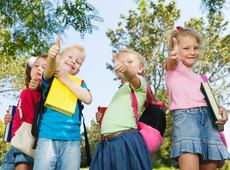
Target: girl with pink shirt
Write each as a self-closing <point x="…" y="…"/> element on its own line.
<point x="196" y="141"/>
<point x="14" y="158"/>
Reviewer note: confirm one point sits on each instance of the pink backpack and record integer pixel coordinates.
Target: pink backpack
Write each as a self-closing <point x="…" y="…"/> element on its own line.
<point x="151" y="135"/>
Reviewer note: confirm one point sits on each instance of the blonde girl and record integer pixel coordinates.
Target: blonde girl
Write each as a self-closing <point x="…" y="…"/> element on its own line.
<point x="196" y="141"/>
<point x="122" y="146"/>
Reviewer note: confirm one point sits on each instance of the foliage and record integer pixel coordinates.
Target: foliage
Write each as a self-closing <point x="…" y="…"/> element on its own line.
<point x="12" y="76"/>
<point x="27" y="26"/>
<point x="212" y="6"/>
<point x="93" y="136"/>
<point x="147" y="32"/>
<point x="215" y="59"/>
<point x="226" y="166"/>
<point x="4" y="146"/>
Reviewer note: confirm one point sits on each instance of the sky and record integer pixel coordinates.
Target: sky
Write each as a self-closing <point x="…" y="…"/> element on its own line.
<point x="98" y="52"/>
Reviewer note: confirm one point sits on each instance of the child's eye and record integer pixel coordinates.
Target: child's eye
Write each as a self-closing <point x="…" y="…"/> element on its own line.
<point x="43" y="68"/>
<point x="130" y="61"/>
<point x="36" y="65"/>
<point x="70" y="56"/>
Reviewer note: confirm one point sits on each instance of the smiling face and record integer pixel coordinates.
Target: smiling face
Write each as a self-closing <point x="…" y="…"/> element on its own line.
<point x="38" y="67"/>
<point x="70" y="61"/>
<point x="131" y="60"/>
<point x="189" y="50"/>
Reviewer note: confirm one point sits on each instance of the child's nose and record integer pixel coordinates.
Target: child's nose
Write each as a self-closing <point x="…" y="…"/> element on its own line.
<point x="192" y="51"/>
<point x="39" y="68"/>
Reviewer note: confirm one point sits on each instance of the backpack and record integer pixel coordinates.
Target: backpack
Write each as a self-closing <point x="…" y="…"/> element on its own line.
<point x="39" y="109"/>
<point x="152" y="122"/>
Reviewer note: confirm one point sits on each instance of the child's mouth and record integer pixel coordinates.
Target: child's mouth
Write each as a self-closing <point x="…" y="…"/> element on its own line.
<point x="70" y="66"/>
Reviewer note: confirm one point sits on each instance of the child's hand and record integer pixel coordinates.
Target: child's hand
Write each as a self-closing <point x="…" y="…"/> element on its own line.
<point x="98" y="116"/>
<point x="61" y="75"/>
<point x="54" y="50"/>
<point x="34" y="83"/>
<point x="224" y="113"/>
<point x="7" y="118"/>
<point x="119" y="66"/>
<point x="174" y="54"/>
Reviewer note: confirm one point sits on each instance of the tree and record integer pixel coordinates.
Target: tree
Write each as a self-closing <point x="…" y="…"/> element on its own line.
<point x="4" y="146"/>
<point x="27" y="27"/>
<point x="212" y="6"/>
<point x="94" y="138"/>
<point x="147" y="32"/>
<point x="12" y="76"/>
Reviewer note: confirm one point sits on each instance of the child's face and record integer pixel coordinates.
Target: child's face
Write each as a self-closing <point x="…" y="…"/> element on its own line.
<point x="38" y="67"/>
<point x="131" y="60"/>
<point x="189" y="50"/>
<point x="70" y="61"/>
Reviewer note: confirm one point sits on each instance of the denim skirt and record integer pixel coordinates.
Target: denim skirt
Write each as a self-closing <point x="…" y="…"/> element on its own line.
<point x="14" y="156"/>
<point x="194" y="131"/>
<point x="127" y="151"/>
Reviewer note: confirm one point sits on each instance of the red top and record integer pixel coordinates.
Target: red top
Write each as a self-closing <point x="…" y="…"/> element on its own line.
<point x="28" y="102"/>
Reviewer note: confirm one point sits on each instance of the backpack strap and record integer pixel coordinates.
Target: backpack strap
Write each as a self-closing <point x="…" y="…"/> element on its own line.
<point x="135" y="105"/>
<point x="204" y="78"/>
<point x="149" y="98"/>
<point x="39" y="109"/>
<point x="87" y="149"/>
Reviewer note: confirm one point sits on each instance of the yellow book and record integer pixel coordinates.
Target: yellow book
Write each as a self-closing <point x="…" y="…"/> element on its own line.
<point x="60" y="98"/>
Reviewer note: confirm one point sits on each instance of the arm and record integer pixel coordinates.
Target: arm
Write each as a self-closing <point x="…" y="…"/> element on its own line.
<point x="7" y="118"/>
<point x="35" y="84"/>
<point x="81" y="93"/>
<point x="174" y="58"/>
<point x="99" y="116"/>
<point x="224" y="113"/>
<point x="51" y="64"/>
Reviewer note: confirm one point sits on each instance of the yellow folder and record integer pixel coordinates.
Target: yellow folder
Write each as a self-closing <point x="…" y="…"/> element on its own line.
<point x="60" y="98"/>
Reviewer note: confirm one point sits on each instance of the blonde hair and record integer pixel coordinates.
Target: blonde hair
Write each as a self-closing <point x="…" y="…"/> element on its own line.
<point x="137" y="55"/>
<point x="80" y="48"/>
<point x="182" y="33"/>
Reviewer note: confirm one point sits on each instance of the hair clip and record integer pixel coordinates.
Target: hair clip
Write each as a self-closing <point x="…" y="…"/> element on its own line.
<point x="31" y="61"/>
<point x="179" y="28"/>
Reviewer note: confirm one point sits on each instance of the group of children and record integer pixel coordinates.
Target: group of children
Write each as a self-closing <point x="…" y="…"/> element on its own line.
<point x="196" y="141"/>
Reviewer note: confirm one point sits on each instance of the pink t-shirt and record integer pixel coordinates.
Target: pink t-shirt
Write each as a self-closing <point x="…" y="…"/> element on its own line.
<point x="183" y="88"/>
<point x="28" y="102"/>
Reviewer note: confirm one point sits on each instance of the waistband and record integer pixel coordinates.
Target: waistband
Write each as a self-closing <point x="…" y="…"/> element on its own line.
<point x="105" y="138"/>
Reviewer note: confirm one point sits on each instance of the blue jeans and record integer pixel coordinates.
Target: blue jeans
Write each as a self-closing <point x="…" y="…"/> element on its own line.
<point x="57" y="154"/>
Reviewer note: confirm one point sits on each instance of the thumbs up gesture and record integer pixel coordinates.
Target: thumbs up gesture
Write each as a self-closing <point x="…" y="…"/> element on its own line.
<point x="174" y="54"/>
<point x="34" y="83"/>
<point x="119" y="66"/>
<point x="54" y="50"/>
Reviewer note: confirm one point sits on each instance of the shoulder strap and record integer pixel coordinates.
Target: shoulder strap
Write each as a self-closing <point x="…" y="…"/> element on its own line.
<point x="205" y="79"/>
<point x="135" y="106"/>
<point x="87" y="149"/>
<point x="20" y="110"/>
<point x="39" y="109"/>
